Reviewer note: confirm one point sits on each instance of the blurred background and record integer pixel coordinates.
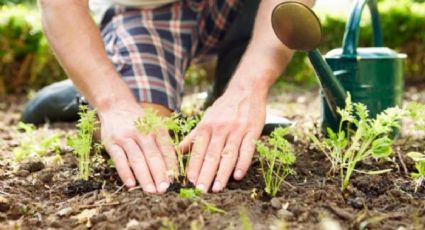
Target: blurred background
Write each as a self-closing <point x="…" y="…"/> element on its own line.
<point x="27" y="63"/>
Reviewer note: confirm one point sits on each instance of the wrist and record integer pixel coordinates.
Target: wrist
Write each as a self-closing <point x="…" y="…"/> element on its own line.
<point x="113" y="102"/>
<point x="258" y="83"/>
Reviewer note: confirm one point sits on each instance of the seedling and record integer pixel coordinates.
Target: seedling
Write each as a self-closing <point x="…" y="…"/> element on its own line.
<point x="275" y="160"/>
<point x="419" y="176"/>
<point x="83" y="141"/>
<point x="359" y="138"/>
<point x="33" y="145"/>
<point x="194" y="194"/>
<point x="179" y="127"/>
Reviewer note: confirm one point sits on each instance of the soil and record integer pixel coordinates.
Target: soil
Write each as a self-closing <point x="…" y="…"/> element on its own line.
<point x="38" y="194"/>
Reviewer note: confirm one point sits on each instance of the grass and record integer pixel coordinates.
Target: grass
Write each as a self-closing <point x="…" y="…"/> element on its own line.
<point x="33" y="145"/>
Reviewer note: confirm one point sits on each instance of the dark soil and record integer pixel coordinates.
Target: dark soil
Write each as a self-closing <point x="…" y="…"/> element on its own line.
<point x="52" y="197"/>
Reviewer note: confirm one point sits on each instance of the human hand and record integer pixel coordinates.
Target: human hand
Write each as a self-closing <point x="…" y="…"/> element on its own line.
<point x="148" y="158"/>
<point x="223" y="141"/>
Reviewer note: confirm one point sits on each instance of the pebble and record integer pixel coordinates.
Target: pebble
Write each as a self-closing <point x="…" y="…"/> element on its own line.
<point x="276" y="204"/>
<point x="65" y="211"/>
<point x="4" y="204"/>
<point x="285" y="214"/>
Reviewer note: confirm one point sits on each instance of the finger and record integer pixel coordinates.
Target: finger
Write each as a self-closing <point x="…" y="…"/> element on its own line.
<point x="197" y="156"/>
<point x="187" y="142"/>
<point x="165" y="145"/>
<point x="245" y="155"/>
<point x="211" y="161"/>
<point x="229" y="156"/>
<point x="139" y="166"/>
<point x="121" y="164"/>
<point x="155" y="162"/>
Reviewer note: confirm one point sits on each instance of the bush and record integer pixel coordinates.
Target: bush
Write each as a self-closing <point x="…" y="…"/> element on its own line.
<point x="25" y="58"/>
<point x="402" y="25"/>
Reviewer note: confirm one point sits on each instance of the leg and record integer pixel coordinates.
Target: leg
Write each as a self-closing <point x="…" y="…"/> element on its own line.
<point x="233" y="46"/>
<point x="150" y="50"/>
<point x="56" y="102"/>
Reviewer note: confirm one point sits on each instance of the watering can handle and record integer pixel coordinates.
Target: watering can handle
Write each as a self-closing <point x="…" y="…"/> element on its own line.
<point x="351" y="36"/>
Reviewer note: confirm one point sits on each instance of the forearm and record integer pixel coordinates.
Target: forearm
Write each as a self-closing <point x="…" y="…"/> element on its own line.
<point x="78" y="46"/>
<point x="266" y="57"/>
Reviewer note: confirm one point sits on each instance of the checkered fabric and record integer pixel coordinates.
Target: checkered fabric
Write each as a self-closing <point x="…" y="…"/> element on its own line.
<point x="152" y="48"/>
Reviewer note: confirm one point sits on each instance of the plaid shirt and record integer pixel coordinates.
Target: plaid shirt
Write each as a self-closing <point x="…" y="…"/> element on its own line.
<point x="152" y="48"/>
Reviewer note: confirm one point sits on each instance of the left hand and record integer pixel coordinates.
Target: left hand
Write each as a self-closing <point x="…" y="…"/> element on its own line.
<point x="223" y="141"/>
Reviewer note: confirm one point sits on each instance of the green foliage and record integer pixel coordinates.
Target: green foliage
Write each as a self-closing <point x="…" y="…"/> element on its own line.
<point x="179" y="126"/>
<point x="275" y="160"/>
<point x="195" y="195"/>
<point x="82" y="143"/>
<point x="402" y="24"/>
<point x="32" y="145"/>
<point x="419" y="176"/>
<point x="417" y="114"/>
<point x="246" y="222"/>
<point x="359" y="138"/>
<point x="25" y="58"/>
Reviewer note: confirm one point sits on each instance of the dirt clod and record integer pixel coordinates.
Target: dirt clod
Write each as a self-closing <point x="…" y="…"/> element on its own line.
<point x="276" y="204"/>
<point x="4" y="204"/>
<point x="80" y="187"/>
<point x="45" y="177"/>
<point x="356" y="203"/>
<point x="32" y="166"/>
<point x="22" y="173"/>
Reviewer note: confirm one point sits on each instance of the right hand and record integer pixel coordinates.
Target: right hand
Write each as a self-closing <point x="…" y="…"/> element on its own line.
<point x="147" y="158"/>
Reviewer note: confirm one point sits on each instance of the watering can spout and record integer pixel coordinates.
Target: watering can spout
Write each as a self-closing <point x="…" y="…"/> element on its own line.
<point x="297" y="26"/>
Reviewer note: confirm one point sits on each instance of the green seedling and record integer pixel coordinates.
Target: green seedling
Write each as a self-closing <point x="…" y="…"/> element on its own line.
<point x="419" y="176"/>
<point x="179" y="127"/>
<point x="34" y="145"/>
<point x="82" y="143"/>
<point x="359" y="138"/>
<point x="275" y="160"/>
<point x="195" y="195"/>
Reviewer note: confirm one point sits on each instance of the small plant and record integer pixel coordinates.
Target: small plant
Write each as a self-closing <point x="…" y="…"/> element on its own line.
<point x="179" y="127"/>
<point x="419" y="176"/>
<point x="275" y="160"/>
<point x="82" y="143"/>
<point x="195" y="195"/>
<point x="370" y="138"/>
<point x="34" y="145"/>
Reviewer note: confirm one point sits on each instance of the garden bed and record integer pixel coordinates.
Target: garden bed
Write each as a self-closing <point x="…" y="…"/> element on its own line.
<point x="37" y="195"/>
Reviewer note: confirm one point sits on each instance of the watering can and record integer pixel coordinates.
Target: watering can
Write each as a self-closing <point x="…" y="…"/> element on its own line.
<point x="373" y="75"/>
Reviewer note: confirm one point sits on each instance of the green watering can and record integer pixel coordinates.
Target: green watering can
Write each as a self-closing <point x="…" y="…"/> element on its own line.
<point x="373" y="76"/>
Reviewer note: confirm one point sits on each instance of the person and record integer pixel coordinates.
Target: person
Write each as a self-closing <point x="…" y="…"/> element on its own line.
<point x="137" y="59"/>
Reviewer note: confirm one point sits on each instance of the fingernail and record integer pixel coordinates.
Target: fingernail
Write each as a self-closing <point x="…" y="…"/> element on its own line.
<point x="150" y="188"/>
<point x="238" y="174"/>
<point x="201" y="187"/>
<point x="163" y="187"/>
<point x="130" y="183"/>
<point x="216" y="186"/>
